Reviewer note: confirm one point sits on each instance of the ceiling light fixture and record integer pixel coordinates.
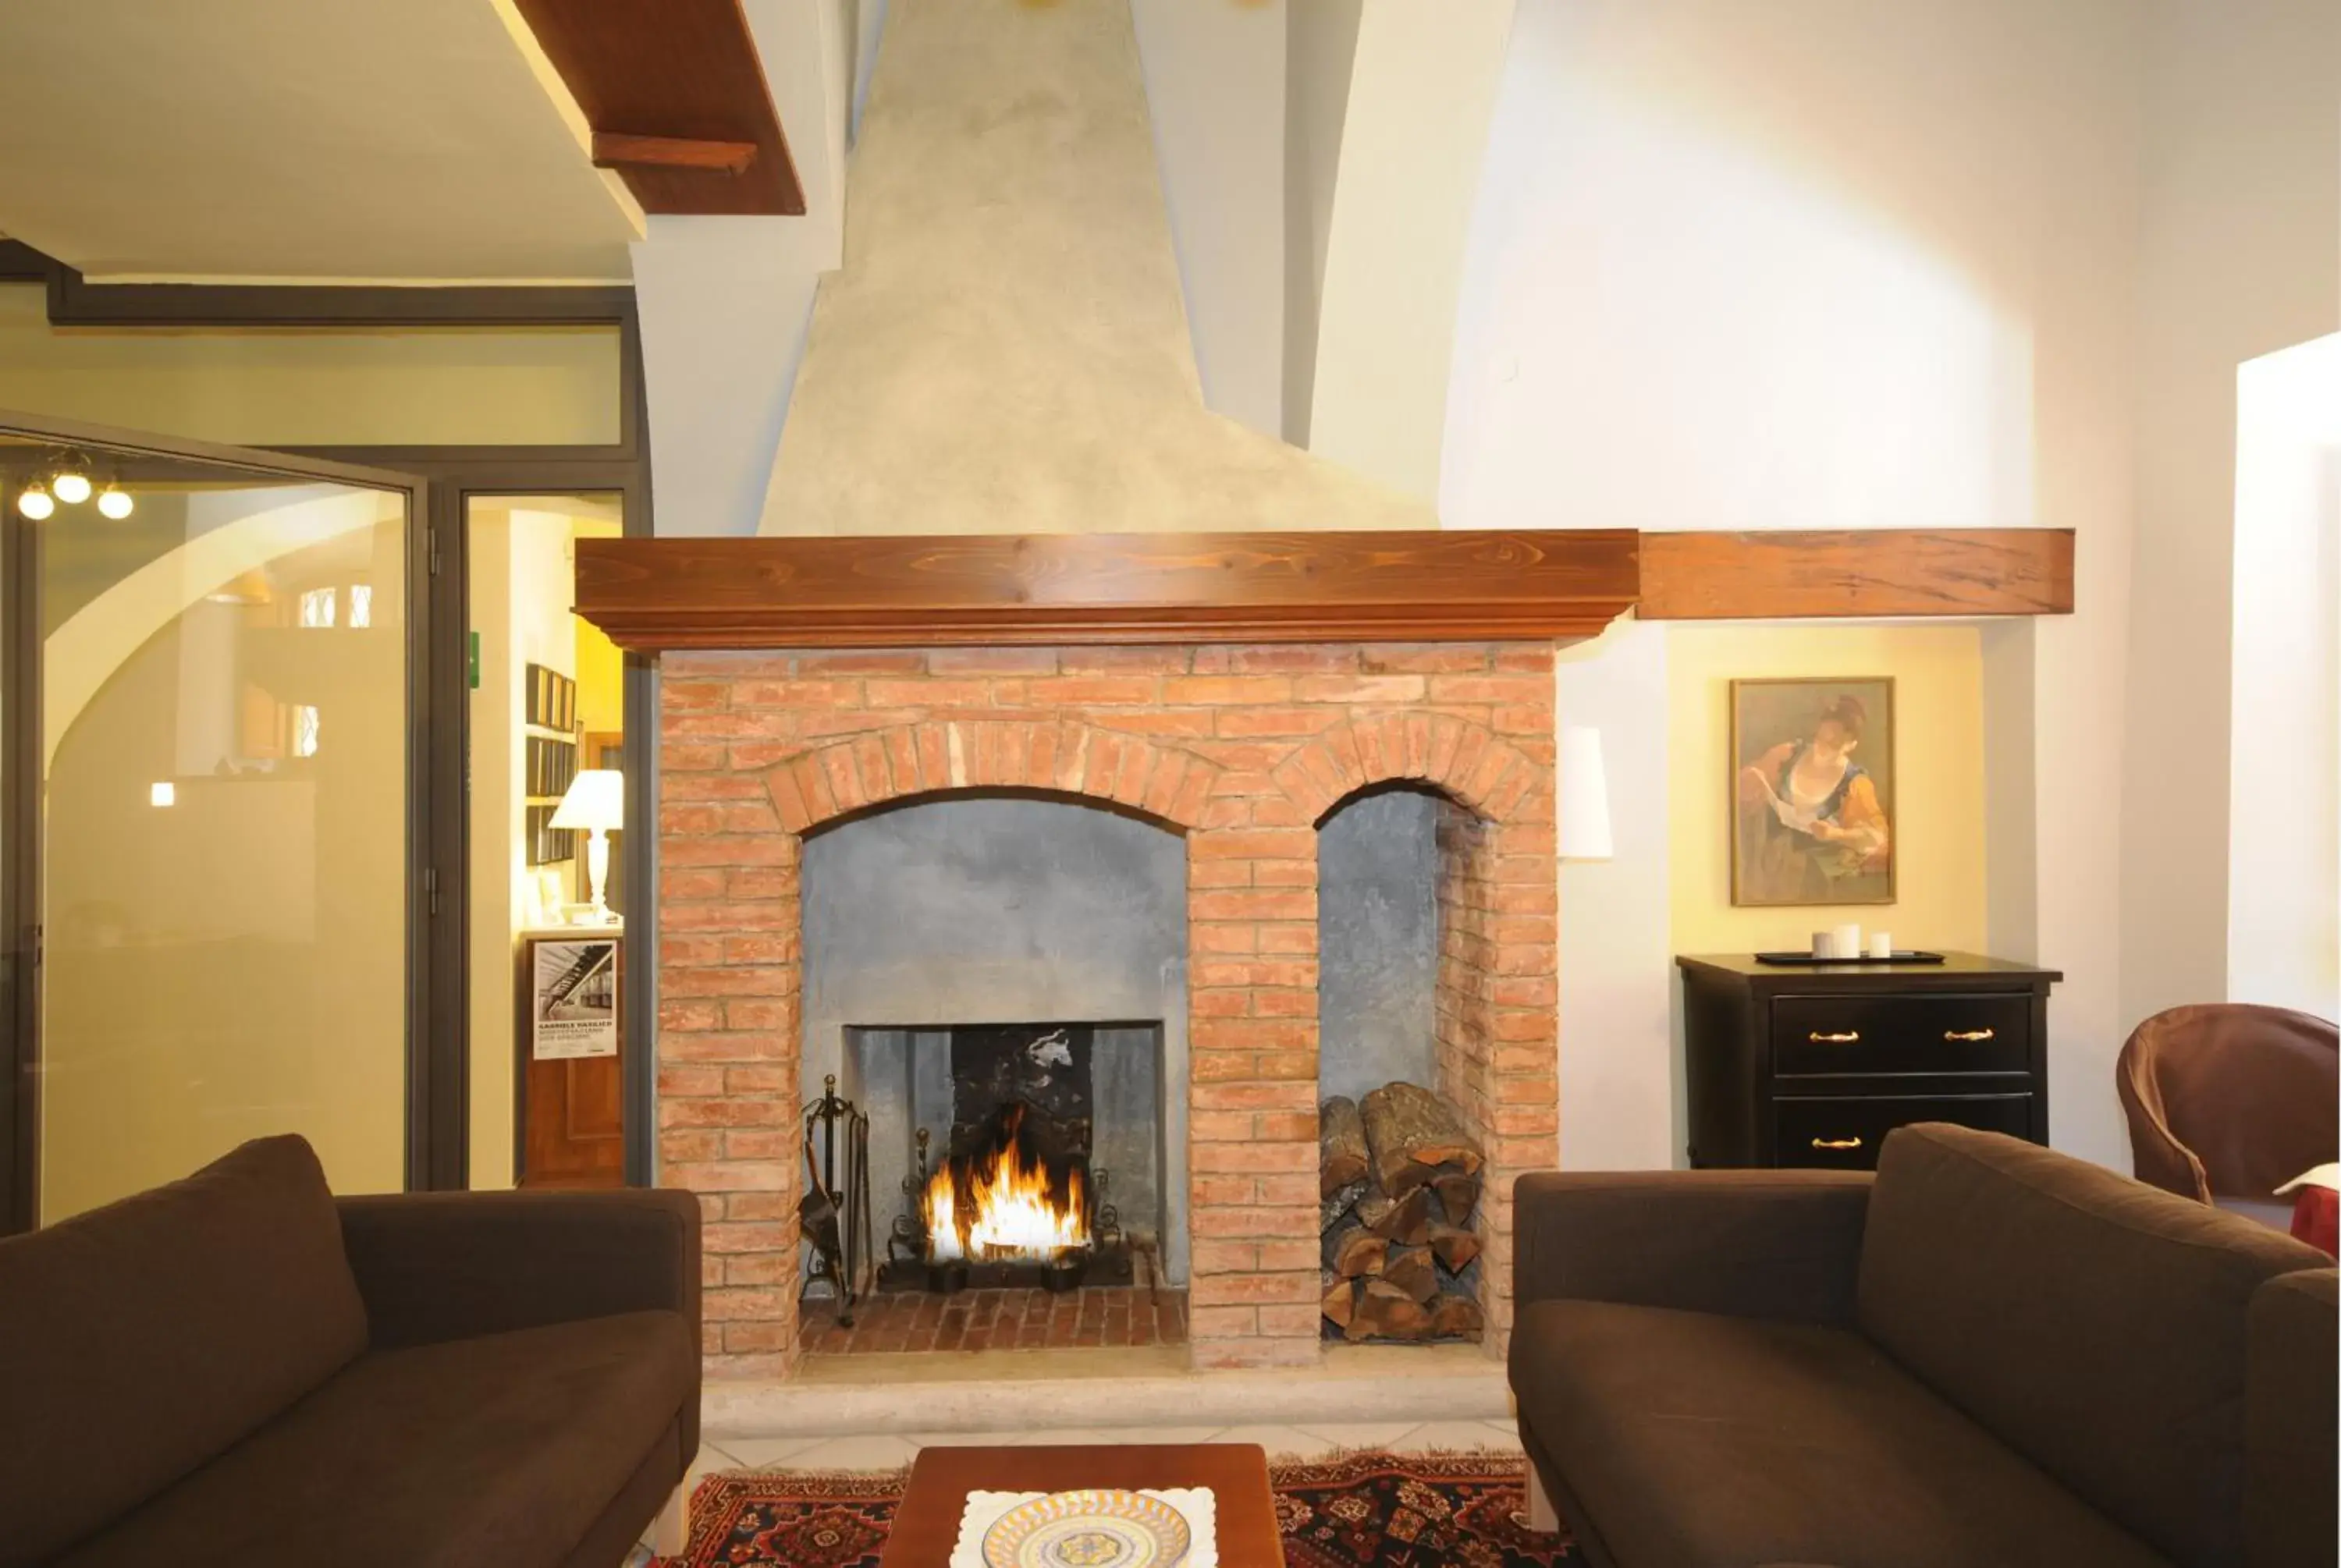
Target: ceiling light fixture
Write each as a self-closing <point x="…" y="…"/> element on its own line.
<point x="34" y="501"/>
<point x="72" y="486"/>
<point x="115" y="502"/>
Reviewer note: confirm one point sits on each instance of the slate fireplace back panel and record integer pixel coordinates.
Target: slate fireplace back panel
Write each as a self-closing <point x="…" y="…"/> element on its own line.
<point x="1045" y="1066"/>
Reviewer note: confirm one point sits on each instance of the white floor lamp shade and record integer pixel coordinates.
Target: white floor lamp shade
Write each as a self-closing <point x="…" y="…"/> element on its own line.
<point x="1584" y="828"/>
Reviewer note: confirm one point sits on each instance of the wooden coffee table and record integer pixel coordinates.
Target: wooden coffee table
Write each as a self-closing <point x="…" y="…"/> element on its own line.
<point x="926" y="1527"/>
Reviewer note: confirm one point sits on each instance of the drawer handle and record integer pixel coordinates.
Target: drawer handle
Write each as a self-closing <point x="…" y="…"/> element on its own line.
<point x="1837" y="1143"/>
<point x="1969" y="1034"/>
<point x="1845" y="1039"/>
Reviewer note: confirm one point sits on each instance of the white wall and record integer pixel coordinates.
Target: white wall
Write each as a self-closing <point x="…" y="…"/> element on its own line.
<point x="2240" y="255"/>
<point x="1621" y="1082"/>
<point x="2284" y="865"/>
<point x="1826" y="263"/>
<point x="723" y="304"/>
<point x="723" y="300"/>
<point x="1422" y="87"/>
<point x="1320" y="51"/>
<point x="1758" y="267"/>
<point x="1215" y="86"/>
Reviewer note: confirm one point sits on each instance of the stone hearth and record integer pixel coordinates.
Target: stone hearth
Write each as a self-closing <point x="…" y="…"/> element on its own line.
<point x="1243" y="751"/>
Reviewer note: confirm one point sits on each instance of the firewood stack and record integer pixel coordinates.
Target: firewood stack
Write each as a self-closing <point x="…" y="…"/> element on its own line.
<point x="1399" y="1177"/>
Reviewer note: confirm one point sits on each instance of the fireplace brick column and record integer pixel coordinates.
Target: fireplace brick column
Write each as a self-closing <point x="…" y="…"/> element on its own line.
<point x="1251" y="1036"/>
<point x="730" y="983"/>
<point x="1243" y="749"/>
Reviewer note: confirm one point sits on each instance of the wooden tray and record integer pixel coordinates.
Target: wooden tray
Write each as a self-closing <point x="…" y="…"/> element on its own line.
<point x="1806" y="961"/>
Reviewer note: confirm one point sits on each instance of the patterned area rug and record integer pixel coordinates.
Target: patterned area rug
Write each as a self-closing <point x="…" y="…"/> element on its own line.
<point x="1358" y="1511"/>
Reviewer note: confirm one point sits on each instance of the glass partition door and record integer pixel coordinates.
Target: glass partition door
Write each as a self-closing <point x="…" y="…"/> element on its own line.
<point x="214" y="775"/>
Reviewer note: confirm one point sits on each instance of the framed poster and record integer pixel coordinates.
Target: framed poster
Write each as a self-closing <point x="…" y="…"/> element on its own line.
<point x="573" y="998"/>
<point x="1812" y="791"/>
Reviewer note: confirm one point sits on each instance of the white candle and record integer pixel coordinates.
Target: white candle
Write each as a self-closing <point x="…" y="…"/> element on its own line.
<point x="1881" y="944"/>
<point x="1824" y="944"/>
<point x="1847" y="942"/>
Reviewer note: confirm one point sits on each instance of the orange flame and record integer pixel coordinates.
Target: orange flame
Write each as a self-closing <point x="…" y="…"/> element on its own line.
<point x="1011" y="1212"/>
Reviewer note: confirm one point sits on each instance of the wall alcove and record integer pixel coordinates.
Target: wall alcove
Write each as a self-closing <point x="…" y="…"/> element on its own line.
<point x="1405" y="896"/>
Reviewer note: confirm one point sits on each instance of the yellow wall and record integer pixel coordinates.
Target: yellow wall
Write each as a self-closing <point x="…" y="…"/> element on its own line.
<point x="434" y="386"/>
<point x="601" y="679"/>
<point x="1938" y="809"/>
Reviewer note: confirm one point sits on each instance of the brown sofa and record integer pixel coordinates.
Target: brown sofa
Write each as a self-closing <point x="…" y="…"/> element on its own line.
<point x="240" y="1368"/>
<point x="1987" y="1354"/>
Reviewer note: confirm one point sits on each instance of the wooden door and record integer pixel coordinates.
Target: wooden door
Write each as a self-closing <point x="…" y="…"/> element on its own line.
<point x="573" y="1116"/>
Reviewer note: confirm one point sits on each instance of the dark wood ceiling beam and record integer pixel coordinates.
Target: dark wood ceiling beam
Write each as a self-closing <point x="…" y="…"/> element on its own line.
<point x="616" y="150"/>
<point x="674" y="70"/>
<point x="650" y="594"/>
<point x="1830" y="573"/>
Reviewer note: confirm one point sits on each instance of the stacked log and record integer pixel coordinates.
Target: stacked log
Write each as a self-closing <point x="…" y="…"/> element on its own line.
<point x="1398" y="1182"/>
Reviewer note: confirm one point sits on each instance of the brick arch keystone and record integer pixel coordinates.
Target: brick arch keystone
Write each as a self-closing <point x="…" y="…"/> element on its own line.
<point x="1465" y="761"/>
<point x="936" y="755"/>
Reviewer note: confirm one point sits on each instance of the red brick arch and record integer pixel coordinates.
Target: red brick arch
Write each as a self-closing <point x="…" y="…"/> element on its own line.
<point x="1465" y="761"/>
<point x="1063" y="756"/>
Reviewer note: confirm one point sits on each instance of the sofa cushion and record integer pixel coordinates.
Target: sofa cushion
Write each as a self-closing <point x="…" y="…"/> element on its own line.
<point x="1693" y="1440"/>
<point x="505" y="1449"/>
<point x="140" y="1339"/>
<point x="2060" y="1303"/>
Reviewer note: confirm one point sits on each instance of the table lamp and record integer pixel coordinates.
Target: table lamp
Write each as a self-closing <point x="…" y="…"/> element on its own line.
<point x="596" y="802"/>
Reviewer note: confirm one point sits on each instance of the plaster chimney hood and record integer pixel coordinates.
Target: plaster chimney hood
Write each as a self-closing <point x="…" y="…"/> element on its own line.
<point x="1006" y="349"/>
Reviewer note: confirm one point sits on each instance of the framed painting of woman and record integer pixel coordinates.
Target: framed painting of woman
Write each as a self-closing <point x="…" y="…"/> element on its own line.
<point x="1812" y="791"/>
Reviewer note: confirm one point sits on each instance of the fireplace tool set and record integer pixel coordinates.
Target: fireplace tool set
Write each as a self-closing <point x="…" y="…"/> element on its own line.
<point x="835" y="1213"/>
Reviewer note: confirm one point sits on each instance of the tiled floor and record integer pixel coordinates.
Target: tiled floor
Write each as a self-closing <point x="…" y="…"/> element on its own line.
<point x="881" y="1452"/>
<point x="914" y="1321"/>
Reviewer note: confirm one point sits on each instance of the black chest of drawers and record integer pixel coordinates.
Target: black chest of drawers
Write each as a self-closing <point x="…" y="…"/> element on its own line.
<point x="1813" y="1066"/>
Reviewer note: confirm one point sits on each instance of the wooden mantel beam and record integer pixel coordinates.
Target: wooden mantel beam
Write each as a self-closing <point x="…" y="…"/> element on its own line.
<point x="1533" y="585"/>
<point x="1132" y="588"/>
<point x="1808" y="573"/>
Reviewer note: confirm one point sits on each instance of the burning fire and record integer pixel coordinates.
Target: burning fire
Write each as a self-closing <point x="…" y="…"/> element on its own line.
<point x="1002" y="1205"/>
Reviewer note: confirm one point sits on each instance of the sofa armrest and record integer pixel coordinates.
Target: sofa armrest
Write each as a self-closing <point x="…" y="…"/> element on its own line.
<point x="1746" y="1243"/>
<point x="2289" y="1451"/>
<point x="448" y="1265"/>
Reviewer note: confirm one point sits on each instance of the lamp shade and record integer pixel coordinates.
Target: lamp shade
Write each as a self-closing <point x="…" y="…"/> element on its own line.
<point x="596" y="799"/>
<point x="1584" y="826"/>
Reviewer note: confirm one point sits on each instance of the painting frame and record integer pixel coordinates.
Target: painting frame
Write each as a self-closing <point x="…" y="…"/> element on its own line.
<point x="1812" y="695"/>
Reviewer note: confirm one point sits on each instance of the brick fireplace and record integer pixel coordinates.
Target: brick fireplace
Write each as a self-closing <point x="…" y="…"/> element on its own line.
<point x="1241" y="749"/>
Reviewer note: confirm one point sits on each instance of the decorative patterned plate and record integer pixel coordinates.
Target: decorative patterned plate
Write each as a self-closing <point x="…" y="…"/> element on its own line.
<point x="1099" y="1528"/>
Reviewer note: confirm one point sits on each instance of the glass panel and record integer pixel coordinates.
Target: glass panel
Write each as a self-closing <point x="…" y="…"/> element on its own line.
<point x="224" y="821"/>
<point x="547" y="714"/>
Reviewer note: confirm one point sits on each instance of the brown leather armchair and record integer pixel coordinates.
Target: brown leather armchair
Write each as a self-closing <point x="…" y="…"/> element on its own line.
<point x="2228" y="1101"/>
